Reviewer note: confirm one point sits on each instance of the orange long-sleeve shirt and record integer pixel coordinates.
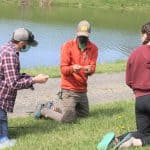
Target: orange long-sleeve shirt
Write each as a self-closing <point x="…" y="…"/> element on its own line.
<point x="70" y="55"/>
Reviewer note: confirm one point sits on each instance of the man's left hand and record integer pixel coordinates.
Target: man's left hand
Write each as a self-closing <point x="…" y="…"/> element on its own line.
<point x="88" y="69"/>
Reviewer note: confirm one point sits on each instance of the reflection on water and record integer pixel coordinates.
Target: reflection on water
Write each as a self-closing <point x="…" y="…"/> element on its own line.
<point x="116" y="33"/>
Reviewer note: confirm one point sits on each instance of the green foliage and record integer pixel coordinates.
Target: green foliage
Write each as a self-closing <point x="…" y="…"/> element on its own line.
<point x="116" y="4"/>
<point x="110" y="18"/>
<point x="82" y="135"/>
<point x="106" y="14"/>
<point x="87" y="3"/>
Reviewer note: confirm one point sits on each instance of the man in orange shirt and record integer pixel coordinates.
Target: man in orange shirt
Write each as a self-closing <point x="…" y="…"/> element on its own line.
<point x="78" y="61"/>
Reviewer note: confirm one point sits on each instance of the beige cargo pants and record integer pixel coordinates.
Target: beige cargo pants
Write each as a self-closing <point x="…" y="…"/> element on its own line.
<point x="72" y="105"/>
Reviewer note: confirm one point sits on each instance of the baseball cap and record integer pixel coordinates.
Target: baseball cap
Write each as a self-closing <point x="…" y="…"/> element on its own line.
<point x="22" y="34"/>
<point x="83" y="28"/>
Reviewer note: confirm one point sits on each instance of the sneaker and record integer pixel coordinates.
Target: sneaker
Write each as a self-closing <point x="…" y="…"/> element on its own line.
<point x="125" y="139"/>
<point x="7" y="143"/>
<point x="106" y="141"/>
<point x="49" y="104"/>
<point x="127" y="144"/>
<point x="37" y="113"/>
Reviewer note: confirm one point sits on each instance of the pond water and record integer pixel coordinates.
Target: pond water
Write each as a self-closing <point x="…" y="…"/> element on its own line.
<point x="116" y="33"/>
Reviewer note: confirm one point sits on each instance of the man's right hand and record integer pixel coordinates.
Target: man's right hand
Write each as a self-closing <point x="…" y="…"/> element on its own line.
<point x="41" y="78"/>
<point x="76" y="68"/>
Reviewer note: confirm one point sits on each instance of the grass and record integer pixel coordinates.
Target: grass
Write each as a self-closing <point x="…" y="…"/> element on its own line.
<point x="82" y="135"/>
<point x="54" y="72"/>
<point x="118" y="66"/>
<point x="115" y="4"/>
<point x="111" y="18"/>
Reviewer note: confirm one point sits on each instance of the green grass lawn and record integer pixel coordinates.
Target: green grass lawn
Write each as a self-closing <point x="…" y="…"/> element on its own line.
<point x="43" y="134"/>
<point x="116" y="4"/>
<point x="54" y="72"/>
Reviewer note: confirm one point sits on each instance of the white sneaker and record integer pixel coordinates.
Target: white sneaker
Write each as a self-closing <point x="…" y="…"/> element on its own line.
<point x="127" y="144"/>
<point x="7" y="143"/>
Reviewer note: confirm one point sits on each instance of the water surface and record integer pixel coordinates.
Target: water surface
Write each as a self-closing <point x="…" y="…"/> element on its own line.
<point x="116" y="33"/>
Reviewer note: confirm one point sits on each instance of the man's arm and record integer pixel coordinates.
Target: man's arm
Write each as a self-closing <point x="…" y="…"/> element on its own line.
<point x="90" y="69"/>
<point x="12" y="76"/>
<point x="65" y="64"/>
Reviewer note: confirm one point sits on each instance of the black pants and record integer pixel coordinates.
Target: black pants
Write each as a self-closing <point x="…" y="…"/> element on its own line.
<point x="142" y="113"/>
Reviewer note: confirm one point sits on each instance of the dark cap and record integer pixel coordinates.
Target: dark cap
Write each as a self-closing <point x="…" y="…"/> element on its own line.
<point x="22" y="34"/>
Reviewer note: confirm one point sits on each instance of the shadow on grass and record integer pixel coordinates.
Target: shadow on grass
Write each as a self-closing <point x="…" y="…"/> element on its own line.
<point x="106" y="111"/>
<point x="31" y="126"/>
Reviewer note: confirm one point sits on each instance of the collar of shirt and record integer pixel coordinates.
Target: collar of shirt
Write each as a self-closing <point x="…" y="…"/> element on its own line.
<point x="12" y="45"/>
<point x="88" y="46"/>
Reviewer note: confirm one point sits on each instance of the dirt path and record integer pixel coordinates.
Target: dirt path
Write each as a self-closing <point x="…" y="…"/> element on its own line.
<point x="101" y="88"/>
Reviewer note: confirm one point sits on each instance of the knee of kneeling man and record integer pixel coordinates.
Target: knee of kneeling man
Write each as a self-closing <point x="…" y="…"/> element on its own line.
<point x="69" y="117"/>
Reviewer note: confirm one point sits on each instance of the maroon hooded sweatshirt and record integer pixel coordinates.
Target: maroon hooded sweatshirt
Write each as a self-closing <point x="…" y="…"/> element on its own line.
<point x="138" y="71"/>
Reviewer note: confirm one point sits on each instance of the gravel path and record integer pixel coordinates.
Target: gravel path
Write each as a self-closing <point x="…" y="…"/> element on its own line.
<point x="102" y="88"/>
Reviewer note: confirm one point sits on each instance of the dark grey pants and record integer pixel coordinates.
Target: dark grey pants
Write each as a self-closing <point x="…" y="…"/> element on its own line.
<point x="142" y="113"/>
<point x="3" y="123"/>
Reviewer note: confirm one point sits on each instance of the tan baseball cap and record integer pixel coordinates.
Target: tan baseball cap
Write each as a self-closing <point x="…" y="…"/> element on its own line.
<point x="83" y="28"/>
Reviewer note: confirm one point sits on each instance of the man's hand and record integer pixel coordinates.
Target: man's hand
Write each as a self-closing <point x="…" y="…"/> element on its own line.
<point x="87" y="69"/>
<point x="76" y="68"/>
<point x="41" y="78"/>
